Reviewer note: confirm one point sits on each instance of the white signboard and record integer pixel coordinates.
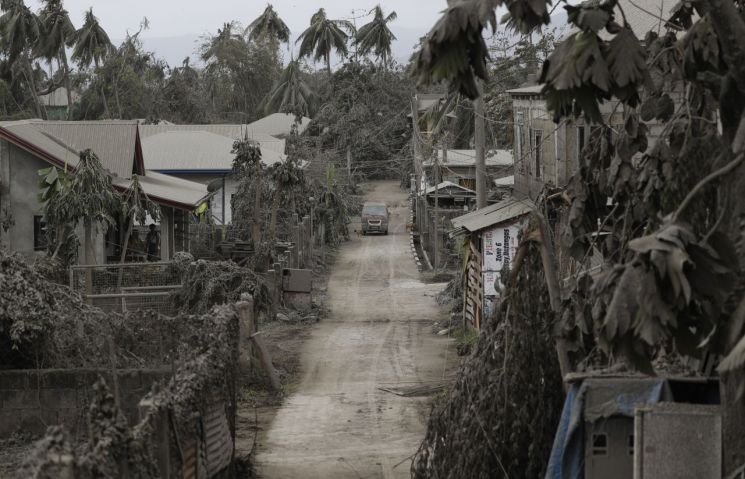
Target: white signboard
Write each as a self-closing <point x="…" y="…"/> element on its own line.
<point x="490" y="281"/>
<point x="499" y="249"/>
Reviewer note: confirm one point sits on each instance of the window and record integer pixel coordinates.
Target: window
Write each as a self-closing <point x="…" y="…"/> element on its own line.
<point x="40" y="233"/>
<point x="600" y="444"/>
<point x="537" y="138"/>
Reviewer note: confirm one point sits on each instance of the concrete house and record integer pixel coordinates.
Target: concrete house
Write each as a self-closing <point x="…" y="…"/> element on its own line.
<point x="30" y="145"/>
<point x="202" y="153"/>
<point x="619" y="426"/>
<point x="548" y="154"/>
<point x="459" y="166"/>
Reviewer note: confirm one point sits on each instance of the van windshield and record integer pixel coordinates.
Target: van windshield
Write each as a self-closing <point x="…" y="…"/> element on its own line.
<point x="374" y="210"/>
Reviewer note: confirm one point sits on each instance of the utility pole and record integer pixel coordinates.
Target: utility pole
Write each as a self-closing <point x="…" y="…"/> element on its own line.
<point x="421" y="216"/>
<point x="480" y="140"/>
<point x="438" y="180"/>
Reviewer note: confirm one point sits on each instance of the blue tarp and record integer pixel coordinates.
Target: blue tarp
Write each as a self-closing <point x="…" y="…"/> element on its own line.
<point x="590" y="401"/>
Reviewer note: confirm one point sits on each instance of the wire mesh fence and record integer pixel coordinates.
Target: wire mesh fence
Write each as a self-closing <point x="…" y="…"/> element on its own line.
<point x="127" y="286"/>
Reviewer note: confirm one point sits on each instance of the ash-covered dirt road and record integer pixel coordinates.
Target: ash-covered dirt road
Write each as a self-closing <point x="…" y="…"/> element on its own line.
<point x="337" y="423"/>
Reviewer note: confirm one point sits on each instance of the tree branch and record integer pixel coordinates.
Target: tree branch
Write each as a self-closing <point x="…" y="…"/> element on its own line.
<point x="730" y="29"/>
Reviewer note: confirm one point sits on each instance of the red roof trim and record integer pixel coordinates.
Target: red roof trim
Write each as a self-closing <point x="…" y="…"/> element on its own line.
<point x="43" y="155"/>
<point x="34" y="150"/>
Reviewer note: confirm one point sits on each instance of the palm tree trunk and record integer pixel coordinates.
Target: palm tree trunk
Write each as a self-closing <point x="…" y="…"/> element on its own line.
<point x="68" y="86"/>
<point x="275" y="208"/>
<point x="256" y="231"/>
<point x="116" y="99"/>
<point x="107" y="115"/>
<point x="328" y="63"/>
<point x="32" y="85"/>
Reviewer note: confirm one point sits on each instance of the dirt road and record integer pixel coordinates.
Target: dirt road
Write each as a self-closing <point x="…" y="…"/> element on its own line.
<point x="338" y="424"/>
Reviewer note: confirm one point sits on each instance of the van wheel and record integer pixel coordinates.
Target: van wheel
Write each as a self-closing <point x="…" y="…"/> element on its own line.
<point x="386" y="232"/>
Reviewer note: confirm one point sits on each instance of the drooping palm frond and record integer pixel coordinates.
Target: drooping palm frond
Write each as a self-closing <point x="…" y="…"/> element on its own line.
<point x="291" y="94"/>
<point x="269" y="25"/>
<point x="92" y="43"/>
<point x="376" y="37"/>
<point x="19" y="29"/>
<point x="323" y="36"/>
<point x="57" y="30"/>
<point x="455" y="50"/>
<point x="225" y="47"/>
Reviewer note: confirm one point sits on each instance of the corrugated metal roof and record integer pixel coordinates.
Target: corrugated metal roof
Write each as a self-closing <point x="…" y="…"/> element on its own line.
<point x="447" y="185"/>
<point x="114" y="142"/>
<point x="495" y="214"/>
<point x="468" y="158"/>
<point x="194" y="150"/>
<point x="27" y="132"/>
<point x="233" y="132"/>
<point x="277" y="124"/>
<point x="168" y="189"/>
<point x="506" y="181"/>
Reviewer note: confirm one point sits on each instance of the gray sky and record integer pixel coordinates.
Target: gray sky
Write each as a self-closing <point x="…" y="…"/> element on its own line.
<point x="191" y="18"/>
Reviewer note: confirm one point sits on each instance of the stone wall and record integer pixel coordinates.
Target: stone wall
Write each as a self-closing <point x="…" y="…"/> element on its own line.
<point x="31" y="400"/>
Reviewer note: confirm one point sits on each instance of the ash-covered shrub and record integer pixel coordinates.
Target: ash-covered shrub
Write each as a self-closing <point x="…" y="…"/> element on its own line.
<point x="500" y="416"/>
<point x="206" y="284"/>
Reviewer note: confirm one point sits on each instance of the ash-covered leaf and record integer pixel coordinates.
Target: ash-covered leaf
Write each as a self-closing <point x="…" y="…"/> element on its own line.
<point x="590" y="17"/>
<point x="627" y="60"/>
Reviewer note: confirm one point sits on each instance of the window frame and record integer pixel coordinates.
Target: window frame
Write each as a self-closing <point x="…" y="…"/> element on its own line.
<point x="536" y="138"/>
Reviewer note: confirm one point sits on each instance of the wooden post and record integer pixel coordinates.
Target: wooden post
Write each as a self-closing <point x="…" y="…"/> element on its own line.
<point x="296" y="232"/>
<point x="554" y="293"/>
<point x="277" y="286"/>
<point x="308" y="239"/>
<point x="480" y="141"/>
<point x="246" y="328"/>
<point x="266" y="362"/>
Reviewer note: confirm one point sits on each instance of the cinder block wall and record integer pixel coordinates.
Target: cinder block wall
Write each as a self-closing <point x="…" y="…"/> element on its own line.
<point x="31" y="400"/>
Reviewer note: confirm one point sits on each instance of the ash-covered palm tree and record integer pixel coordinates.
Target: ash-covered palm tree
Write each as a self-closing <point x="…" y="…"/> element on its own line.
<point x="92" y="45"/>
<point x="19" y="36"/>
<point x="58" y="33"/>
<point x="269" y="26"/>
<point x="291" y="94"/>
<point x="323" y="36"/>
<point x="376" y="37"/>
<point x="224" y="48"/>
